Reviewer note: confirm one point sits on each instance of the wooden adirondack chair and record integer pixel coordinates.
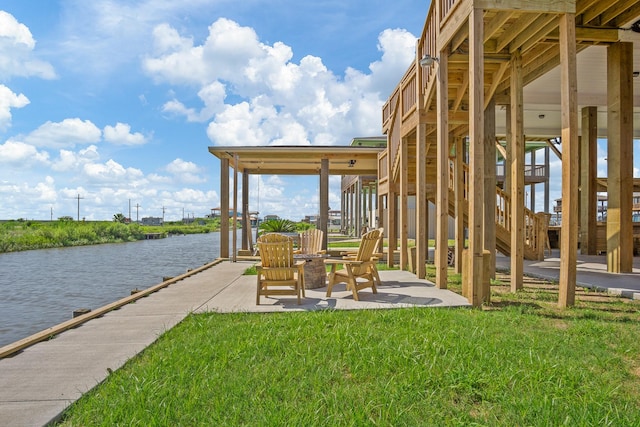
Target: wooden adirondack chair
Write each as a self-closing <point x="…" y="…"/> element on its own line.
<point x="278" y="272"/>
<point x="358" y="272"/>
<point x="377" y="255"/>
<point x="311" y="242"/>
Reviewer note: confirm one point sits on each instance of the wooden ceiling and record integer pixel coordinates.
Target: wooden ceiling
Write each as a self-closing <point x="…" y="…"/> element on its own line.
<point x="536" y="35"/>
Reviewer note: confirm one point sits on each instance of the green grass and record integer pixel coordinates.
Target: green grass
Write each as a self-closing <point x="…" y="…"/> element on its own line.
<point x="520" y="361"/>
<point x="28" y="235"/>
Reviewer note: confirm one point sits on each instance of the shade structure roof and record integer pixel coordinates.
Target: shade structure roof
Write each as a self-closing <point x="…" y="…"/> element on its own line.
<point x="300" y="160"/>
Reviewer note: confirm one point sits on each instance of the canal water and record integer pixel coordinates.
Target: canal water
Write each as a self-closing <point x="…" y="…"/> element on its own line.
<point x="41" y="288"/>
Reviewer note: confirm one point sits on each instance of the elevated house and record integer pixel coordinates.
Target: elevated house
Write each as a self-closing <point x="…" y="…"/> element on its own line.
<point x="489" y="78"/>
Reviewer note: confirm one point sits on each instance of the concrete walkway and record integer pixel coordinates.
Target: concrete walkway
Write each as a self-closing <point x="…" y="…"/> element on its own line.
<point x="591" y="272"/>
<point x="39" y="382"/>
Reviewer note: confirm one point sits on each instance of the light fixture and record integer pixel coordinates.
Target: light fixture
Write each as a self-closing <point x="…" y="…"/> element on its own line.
<point x="541" y="116"/>
<point x="636" y="73"/>
<point x="427" y="60"/>
<point x="352" y="163"/>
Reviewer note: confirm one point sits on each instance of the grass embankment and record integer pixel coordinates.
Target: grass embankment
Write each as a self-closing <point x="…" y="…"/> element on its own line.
<point x="27" y="235"/>
<point x="519" y="361"/>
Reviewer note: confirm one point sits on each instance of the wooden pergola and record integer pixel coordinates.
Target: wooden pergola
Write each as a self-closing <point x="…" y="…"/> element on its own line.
<point x="285" y="160"/>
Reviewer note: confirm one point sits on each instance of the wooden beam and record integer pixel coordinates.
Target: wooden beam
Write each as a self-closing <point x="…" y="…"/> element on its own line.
<point x="551" y="6"/>
<point x="497" y="77"/>
<point x="553" y="148"/>
<point x="517" y="174"/>
<point x="533" y="33"/>
<point x="570" y="149"/>
<point x="442" y="173"/>
<point x="620" y="157"/>
<point x="461" y="92"/>
<point x="496" y="23"/>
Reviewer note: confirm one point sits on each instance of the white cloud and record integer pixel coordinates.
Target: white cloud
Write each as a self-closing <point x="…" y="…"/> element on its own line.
<point x="212" y="96"/>
<point x="63" y="134"/>
<point x="111" y="172"/>
<point x="9" y="100"/>
<point x="278" y="101"/>
<point x="16" y="152"/>
<point x="120" y="134"/>
<point x="186" y="172"/>
<point x="16" y="51"/>
<point x="69" y="160"/>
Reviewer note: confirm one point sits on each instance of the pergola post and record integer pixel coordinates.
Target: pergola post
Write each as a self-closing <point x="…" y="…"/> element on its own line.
<point x="246" y="227"/>
<point x="620" y="157"/>
<point x="588" y="175"/>
<point x="224" y="208"/>
<point x="570" y="153"/>
<point x="324" y="200"/>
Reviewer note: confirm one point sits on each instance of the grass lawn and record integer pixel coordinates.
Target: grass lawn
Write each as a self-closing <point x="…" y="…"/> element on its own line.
<point x="518" y="361"/>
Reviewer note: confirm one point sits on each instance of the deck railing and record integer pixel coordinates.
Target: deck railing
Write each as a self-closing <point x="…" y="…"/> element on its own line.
<point x="535" y="225"/>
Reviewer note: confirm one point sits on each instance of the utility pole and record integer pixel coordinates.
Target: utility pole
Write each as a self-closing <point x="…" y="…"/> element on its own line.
<point x="79" y="206"/>
<point x="129" y="210"/>
<point x="163" y="209"/>
<point x="137" y="211"/>
<point x="51" y="213"/>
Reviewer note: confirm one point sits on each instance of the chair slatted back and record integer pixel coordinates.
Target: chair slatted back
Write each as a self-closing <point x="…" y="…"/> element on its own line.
<point x="276" y="251"/>
<point x="311" y="241"/>
<point x="366" y="250"/>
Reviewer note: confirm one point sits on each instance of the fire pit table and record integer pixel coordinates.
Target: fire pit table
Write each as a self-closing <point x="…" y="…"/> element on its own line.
<point x="315" y="274"/>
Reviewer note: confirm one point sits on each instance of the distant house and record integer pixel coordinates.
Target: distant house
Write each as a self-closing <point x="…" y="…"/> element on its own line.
<point x="271" y="217"/>
<point x="152" y="221"/>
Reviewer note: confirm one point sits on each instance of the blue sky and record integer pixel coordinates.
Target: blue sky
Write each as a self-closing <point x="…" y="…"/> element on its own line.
<point x="117" y="100"/>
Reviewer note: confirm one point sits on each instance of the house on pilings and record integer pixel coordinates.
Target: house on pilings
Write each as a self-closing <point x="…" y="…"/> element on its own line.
<point x="488" y="77"/>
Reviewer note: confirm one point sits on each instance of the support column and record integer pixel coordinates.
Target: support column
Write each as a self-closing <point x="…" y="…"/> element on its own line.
<point x="547" y="152"/>
<point x="459" y="189"/>
<point x="490" y="186"/>
<point x="422" y="213"/>
<point x="476" y="157"/>
<point x="224" y="208"/>
<point x="620" y="157"/>
<point x="234" y="252"/>
<point x="392" y="224"/>
<point x="324" y="200"/>
<point x="246" y="226"/>
<point x="404" y="214"/>
<point x="570" y="149"/>
<point x="517" y="174"/>
<point x="442" y="172"/>
<point x="588" y="175"/>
